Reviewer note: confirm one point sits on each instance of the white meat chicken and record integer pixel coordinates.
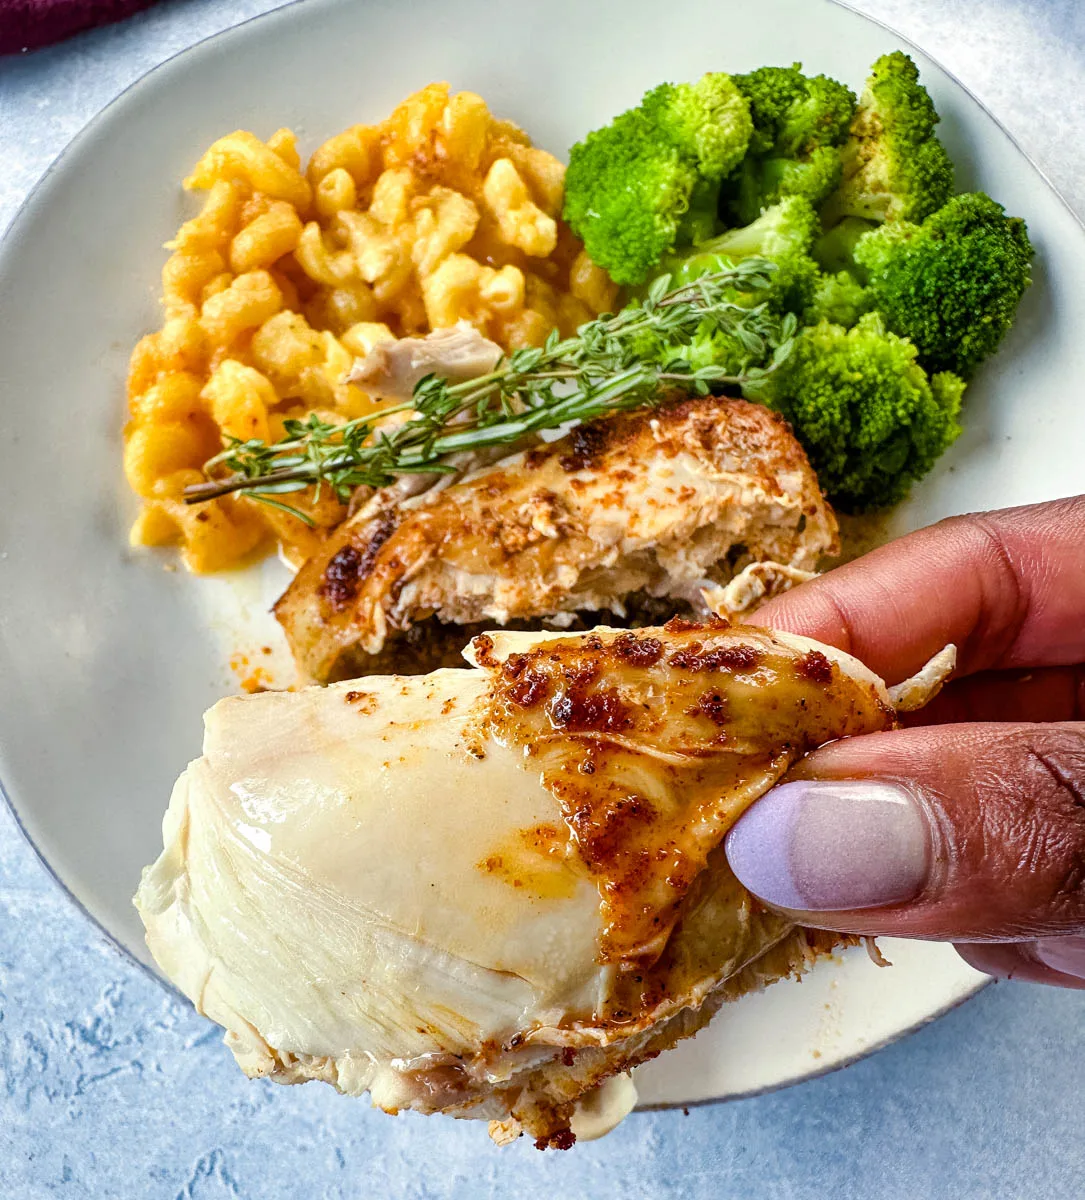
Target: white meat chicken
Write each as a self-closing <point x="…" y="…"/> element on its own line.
<point x="490" y="892"/>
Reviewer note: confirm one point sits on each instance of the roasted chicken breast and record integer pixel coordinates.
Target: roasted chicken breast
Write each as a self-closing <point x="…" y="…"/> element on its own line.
<point x="491" y="892"/>
<point x="653" y="505"/>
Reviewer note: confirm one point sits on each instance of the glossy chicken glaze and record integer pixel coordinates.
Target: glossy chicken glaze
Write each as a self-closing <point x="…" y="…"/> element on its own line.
<point x="653" y="741"/>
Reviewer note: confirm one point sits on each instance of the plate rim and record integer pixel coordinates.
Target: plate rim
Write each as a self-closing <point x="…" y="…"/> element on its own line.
<point x="8" y="237"/>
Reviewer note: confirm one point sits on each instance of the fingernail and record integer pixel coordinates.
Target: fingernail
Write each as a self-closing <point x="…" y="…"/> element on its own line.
<point x="826" y="845"/>
<point x="1063" y="954"/>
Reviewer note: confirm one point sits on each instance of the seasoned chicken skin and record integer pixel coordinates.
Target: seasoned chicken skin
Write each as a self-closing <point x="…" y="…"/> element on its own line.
<point x="662" y="504"/>
<point x="491" y="892"/>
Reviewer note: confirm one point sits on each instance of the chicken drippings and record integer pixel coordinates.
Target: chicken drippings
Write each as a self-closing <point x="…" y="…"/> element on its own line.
<point x="652" y="751"/>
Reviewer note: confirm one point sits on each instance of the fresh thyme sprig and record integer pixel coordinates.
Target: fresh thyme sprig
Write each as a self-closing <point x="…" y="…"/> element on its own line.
<point x="611" y="365"/>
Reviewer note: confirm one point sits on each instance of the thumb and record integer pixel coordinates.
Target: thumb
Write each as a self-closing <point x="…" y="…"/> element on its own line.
<point x="964" y="833"/>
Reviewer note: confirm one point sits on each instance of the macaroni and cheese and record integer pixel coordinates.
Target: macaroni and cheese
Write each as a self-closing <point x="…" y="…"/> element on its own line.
<point x="442" y="213"/>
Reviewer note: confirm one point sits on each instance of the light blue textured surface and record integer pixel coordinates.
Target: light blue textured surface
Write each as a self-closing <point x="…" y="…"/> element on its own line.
<point x="110" y="1088"/>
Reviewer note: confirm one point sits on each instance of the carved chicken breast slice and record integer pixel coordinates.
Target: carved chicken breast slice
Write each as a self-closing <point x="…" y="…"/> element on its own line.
<point x="488" y="892"/>
<point x="658" y="504"/>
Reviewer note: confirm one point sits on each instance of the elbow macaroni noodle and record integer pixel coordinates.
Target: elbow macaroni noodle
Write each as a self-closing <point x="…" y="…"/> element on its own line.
<point x="440" y="214"/>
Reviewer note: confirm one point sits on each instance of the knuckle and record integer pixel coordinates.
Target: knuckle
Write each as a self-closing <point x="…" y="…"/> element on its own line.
<point x="1057" y="760"/>
<point x="1005" y="595"/>
<point x="1053" y="843"/>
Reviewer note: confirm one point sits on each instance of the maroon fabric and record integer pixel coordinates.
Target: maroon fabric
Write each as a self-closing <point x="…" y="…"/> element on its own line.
<point x="28" y="24"/>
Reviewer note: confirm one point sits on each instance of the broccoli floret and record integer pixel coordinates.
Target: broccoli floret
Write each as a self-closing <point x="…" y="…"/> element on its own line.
<point x="798" y="122"/>
<point x="708" y="121"/>
<point x="784" y="234"/>
<point x="869" y="417"/>
<point x="895" y="168"/>
<point x="835" y="250"/>
<point x="792" y="112"/>
<point x="625" y="193"/>
<point x="952" y="284"/>
<point x="761" y="182"/>
<point x="839" y="299"/>
<point x="650" y="179"/>
<point x="709" y="347"/>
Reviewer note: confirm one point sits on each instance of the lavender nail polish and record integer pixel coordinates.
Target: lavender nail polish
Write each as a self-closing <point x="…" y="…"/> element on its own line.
<point x="1063" y="954"/>
<point x="827" y="845"/>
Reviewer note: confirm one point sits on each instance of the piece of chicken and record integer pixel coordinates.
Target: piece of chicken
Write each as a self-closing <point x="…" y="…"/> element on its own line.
<point x="393" y="368"/>
<point x="657" y="504"/>
<point x="489" y="892"/>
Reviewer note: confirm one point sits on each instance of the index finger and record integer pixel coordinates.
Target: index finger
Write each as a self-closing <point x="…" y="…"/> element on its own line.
<point x="1006" y="587"/>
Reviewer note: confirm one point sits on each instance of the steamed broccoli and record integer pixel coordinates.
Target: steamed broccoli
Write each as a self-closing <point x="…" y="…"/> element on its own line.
<point x="839" y="299"/>
<point x="798" y="121"/>
<point x="784" y="234"/>
<point x="650" y="179"/>
<point x="707" y="121"/>
<point x="869" y="417"/>
<point x="792" y="112"/>
<point x="835" y="250"/>
<point x="895" y="168"/>
<point x="952" y="284"/>
<point x="897" y="291"/>
<point x="709" y="347"/>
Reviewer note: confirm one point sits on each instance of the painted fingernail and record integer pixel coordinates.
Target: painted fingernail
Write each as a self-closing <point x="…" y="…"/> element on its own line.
<point x="1063" y="954"/>
<point x="825" y="845"/>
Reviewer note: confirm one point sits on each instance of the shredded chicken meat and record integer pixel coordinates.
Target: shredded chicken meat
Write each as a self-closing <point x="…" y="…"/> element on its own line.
<point x="393" y="368"/>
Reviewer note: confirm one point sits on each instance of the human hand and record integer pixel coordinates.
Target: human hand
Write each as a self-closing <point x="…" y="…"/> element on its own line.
<point x="969" y="825"/>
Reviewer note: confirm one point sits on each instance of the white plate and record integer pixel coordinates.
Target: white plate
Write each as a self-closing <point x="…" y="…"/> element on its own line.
<point x="106" y="661"/>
